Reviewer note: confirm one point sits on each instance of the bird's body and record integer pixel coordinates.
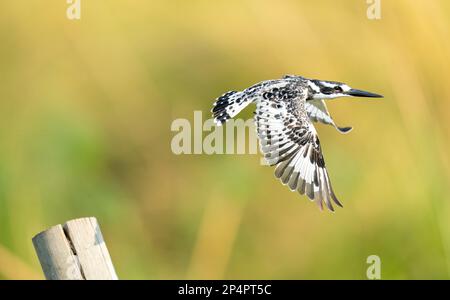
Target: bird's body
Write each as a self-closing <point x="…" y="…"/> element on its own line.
<point x="285" y="109"/>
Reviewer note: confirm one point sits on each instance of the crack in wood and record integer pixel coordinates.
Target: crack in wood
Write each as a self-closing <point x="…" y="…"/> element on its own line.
<point x="73" y="250"/>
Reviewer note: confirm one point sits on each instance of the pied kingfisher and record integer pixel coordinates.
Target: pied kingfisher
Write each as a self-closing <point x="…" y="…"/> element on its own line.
<point x="285" y="109"/>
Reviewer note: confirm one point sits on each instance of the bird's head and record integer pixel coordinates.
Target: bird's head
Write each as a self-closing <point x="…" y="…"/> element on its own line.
<point x="321" y="89"/>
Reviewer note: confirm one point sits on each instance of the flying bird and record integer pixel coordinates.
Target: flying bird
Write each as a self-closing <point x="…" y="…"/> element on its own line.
<point x="285" y="111"/>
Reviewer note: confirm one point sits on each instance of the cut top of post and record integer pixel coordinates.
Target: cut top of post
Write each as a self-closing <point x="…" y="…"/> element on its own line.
<point x="74" y="250"/>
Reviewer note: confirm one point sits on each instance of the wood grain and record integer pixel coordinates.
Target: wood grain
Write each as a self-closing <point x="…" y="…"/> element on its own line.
<point x="75" y="250"/>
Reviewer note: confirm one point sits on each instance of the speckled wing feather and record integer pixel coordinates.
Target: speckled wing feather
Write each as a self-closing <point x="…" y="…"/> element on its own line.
<point x="318" y="112"/>
<point x="229" y="105"/>
<point x="289" y="140"/>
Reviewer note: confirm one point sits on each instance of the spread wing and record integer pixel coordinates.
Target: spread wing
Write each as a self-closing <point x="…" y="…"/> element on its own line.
<point x="318" y="112"/>
<point x="289" y="140"/>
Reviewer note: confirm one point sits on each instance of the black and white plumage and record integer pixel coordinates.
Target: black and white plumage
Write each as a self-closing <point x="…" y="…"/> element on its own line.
<point x="318" y="112"/>
<point x="285" y="110"/>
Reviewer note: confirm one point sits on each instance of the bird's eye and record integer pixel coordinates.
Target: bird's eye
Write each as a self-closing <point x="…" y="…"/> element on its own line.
<point x="327" y="90"/>
<point x="338" y="89"/>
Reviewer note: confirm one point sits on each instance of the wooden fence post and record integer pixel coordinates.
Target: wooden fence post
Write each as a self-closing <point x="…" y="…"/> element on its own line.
<point x="74" y="250"/>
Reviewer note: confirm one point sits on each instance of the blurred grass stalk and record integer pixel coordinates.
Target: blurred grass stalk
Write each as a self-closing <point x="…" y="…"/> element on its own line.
<point x="215" y="239"/>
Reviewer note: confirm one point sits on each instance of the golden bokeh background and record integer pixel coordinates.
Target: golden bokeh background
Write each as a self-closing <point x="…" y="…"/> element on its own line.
<point x="86" y="110"/>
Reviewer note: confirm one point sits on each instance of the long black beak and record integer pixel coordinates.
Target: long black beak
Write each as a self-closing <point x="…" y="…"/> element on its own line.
<point x="359" y="93"/>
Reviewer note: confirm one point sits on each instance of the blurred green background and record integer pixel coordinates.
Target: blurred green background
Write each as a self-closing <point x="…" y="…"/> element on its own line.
<point x="86" y="108"/>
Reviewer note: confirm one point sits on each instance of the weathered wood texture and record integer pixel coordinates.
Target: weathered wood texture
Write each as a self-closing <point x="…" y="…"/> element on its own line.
<point x="74" y="250"/>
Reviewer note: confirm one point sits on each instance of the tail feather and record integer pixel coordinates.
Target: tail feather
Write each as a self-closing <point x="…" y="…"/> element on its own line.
<point x="229" y="105"/>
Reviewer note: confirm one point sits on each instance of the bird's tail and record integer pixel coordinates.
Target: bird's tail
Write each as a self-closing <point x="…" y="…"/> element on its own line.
<point x="229" y="105"/>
